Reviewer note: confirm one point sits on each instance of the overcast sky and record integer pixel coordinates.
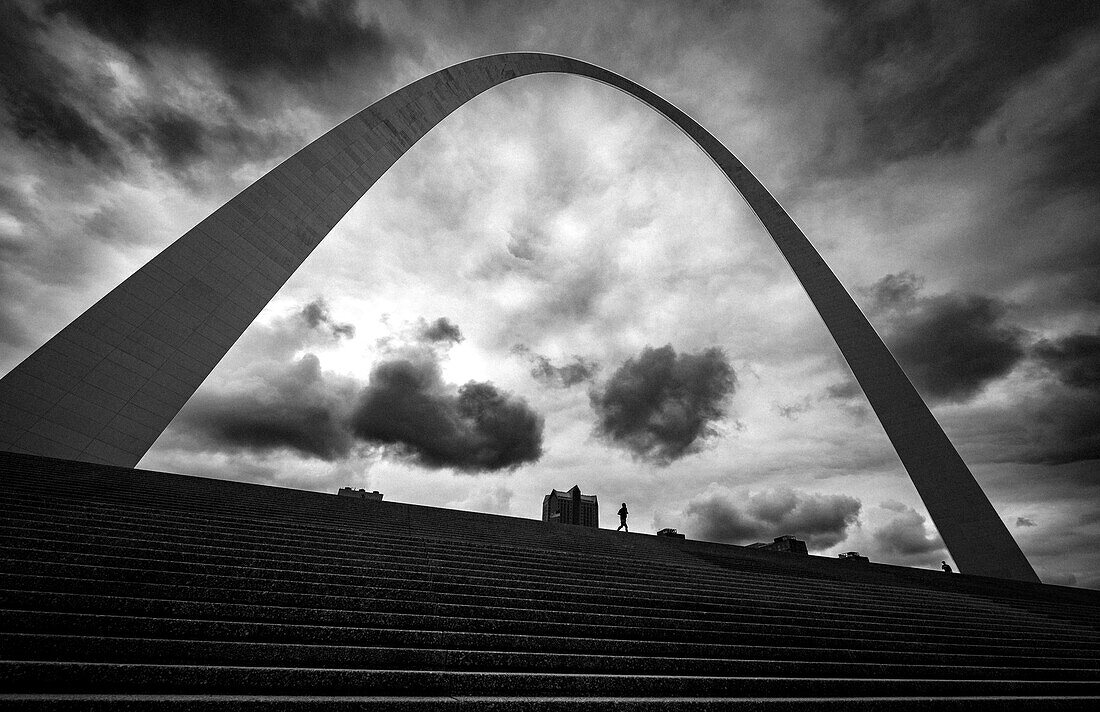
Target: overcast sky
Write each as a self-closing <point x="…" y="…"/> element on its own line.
<point x="556" y="287"/>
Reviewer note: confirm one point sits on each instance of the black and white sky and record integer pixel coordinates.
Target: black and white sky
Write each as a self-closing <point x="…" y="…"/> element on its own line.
<point x="556" y="287"/>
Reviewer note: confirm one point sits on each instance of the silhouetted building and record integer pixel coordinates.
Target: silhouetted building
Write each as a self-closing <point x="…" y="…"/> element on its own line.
<point x="571" y="507"/>
<point x="783" y="543"/>
<point x="854" y="556"/>
<point x="360" y="493"/>
<point x="671" y="533"/>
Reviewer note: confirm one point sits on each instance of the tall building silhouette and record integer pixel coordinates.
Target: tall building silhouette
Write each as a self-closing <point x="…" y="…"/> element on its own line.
<point x="571" y="507"/>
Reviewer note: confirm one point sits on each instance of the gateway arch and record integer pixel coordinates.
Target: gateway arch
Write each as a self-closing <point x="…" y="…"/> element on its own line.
<point x="105" y="387"/>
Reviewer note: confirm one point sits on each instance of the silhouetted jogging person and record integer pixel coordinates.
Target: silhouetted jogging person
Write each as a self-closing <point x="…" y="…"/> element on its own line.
<point x="622" y="518"/>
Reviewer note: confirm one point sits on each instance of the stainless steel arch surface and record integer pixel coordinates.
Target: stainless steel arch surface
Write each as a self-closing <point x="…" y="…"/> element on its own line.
<point x="106" y="386"/>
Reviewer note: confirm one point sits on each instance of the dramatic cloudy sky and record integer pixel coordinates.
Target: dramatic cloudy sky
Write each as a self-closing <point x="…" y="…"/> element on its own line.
<point x="555" y="287"/>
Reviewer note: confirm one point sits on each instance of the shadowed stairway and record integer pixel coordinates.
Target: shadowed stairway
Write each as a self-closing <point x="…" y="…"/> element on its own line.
<point x="126" y="589"/>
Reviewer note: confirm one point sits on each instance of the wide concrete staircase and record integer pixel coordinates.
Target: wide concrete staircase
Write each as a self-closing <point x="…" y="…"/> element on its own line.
<point x="131" y="590"/>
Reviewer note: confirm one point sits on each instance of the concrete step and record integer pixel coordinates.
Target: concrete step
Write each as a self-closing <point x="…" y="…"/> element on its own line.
<point x="371" y="656"/>
<point x="743" y="604"/>
<point x="36" y="622"/>
<point x="962" y="608"/>
<point x="57" y="477"/>
<point x="423" y="601"/>
<point x="160" y="528"/>
<point x="62" y="548"/>
<point x="333" y="499"/>
<point x="610" y="599"/>
<point x="511" y="621"/>
<point x="318" y="703"/>
<point x="116" y="678"/>
<point x="662" y="543"/>
<point x="311" y="511"/>
<point x="206" y="525"/>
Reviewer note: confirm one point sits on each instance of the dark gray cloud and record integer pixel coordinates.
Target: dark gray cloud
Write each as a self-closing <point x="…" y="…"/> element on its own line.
<point x="846" y="394"/>
<point x="579" y="370"/>
<point x="525" y="245"/>
<point x="820" y="520"/>
<point x="1071" y="148"/>
<point x="294" y="40"/>
<point x="407" y="407"/>
<point x="419" y="338"/>
<point x="255" y="51"/>
<point x="1025" y="522"/>
<point x="1055" y="416"/>
<point x="904" y="537"/>
<point x="43" y="101"/>
<point x="925" y="77"/>
<point x="72" y="107"/>
<point x="894" y="292"/>
<point x="662" y="405"/>
<point x="441" y="330"/>
<point x="298" y="329"/>
<point x="289" y="407"/>
<point x="1062" y="427"/>
<point x="844" y="390"/>
<point x="953" y="345"/>
<point x="848" y="397"/>
<point x="791" y="411"/>
<point x="179" y="140"/>
<point x="950" y="345"/>
<point x="316" y="316"/>
<point x="177" y="137"/>
<point x="1063" y="424"/>
<point x="12" y="331"/>
<point x="1074" y="359"/>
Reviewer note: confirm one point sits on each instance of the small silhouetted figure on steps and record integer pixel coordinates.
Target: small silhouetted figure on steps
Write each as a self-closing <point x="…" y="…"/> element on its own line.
<point x="946" y="567"/>
<point x="622" y="518"/>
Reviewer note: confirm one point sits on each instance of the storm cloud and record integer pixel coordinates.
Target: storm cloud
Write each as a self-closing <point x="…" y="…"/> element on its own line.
<point x="1061" y="423"/>
<point x="283" y="37"/>
<point x="894" y="292"/>
<point x="442" y="330"/>
<point x="662" y="405"/>
<point x="925" y="81"/>
<point x="904" y="537"/>
<point x="291" y="407"/>
<point x="175" y="136"/>
<point x="950" y="345"/>
<point x="316" y="315"/>
<point x="407" y="408"/>
<point x="1061" y="426"/>
<point x="1074" y="359"/>
<point x="250" y="51"/>
<point x="741" y="518"/>
<point x="42" y="100"/>
<point x="579" y="370"/>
